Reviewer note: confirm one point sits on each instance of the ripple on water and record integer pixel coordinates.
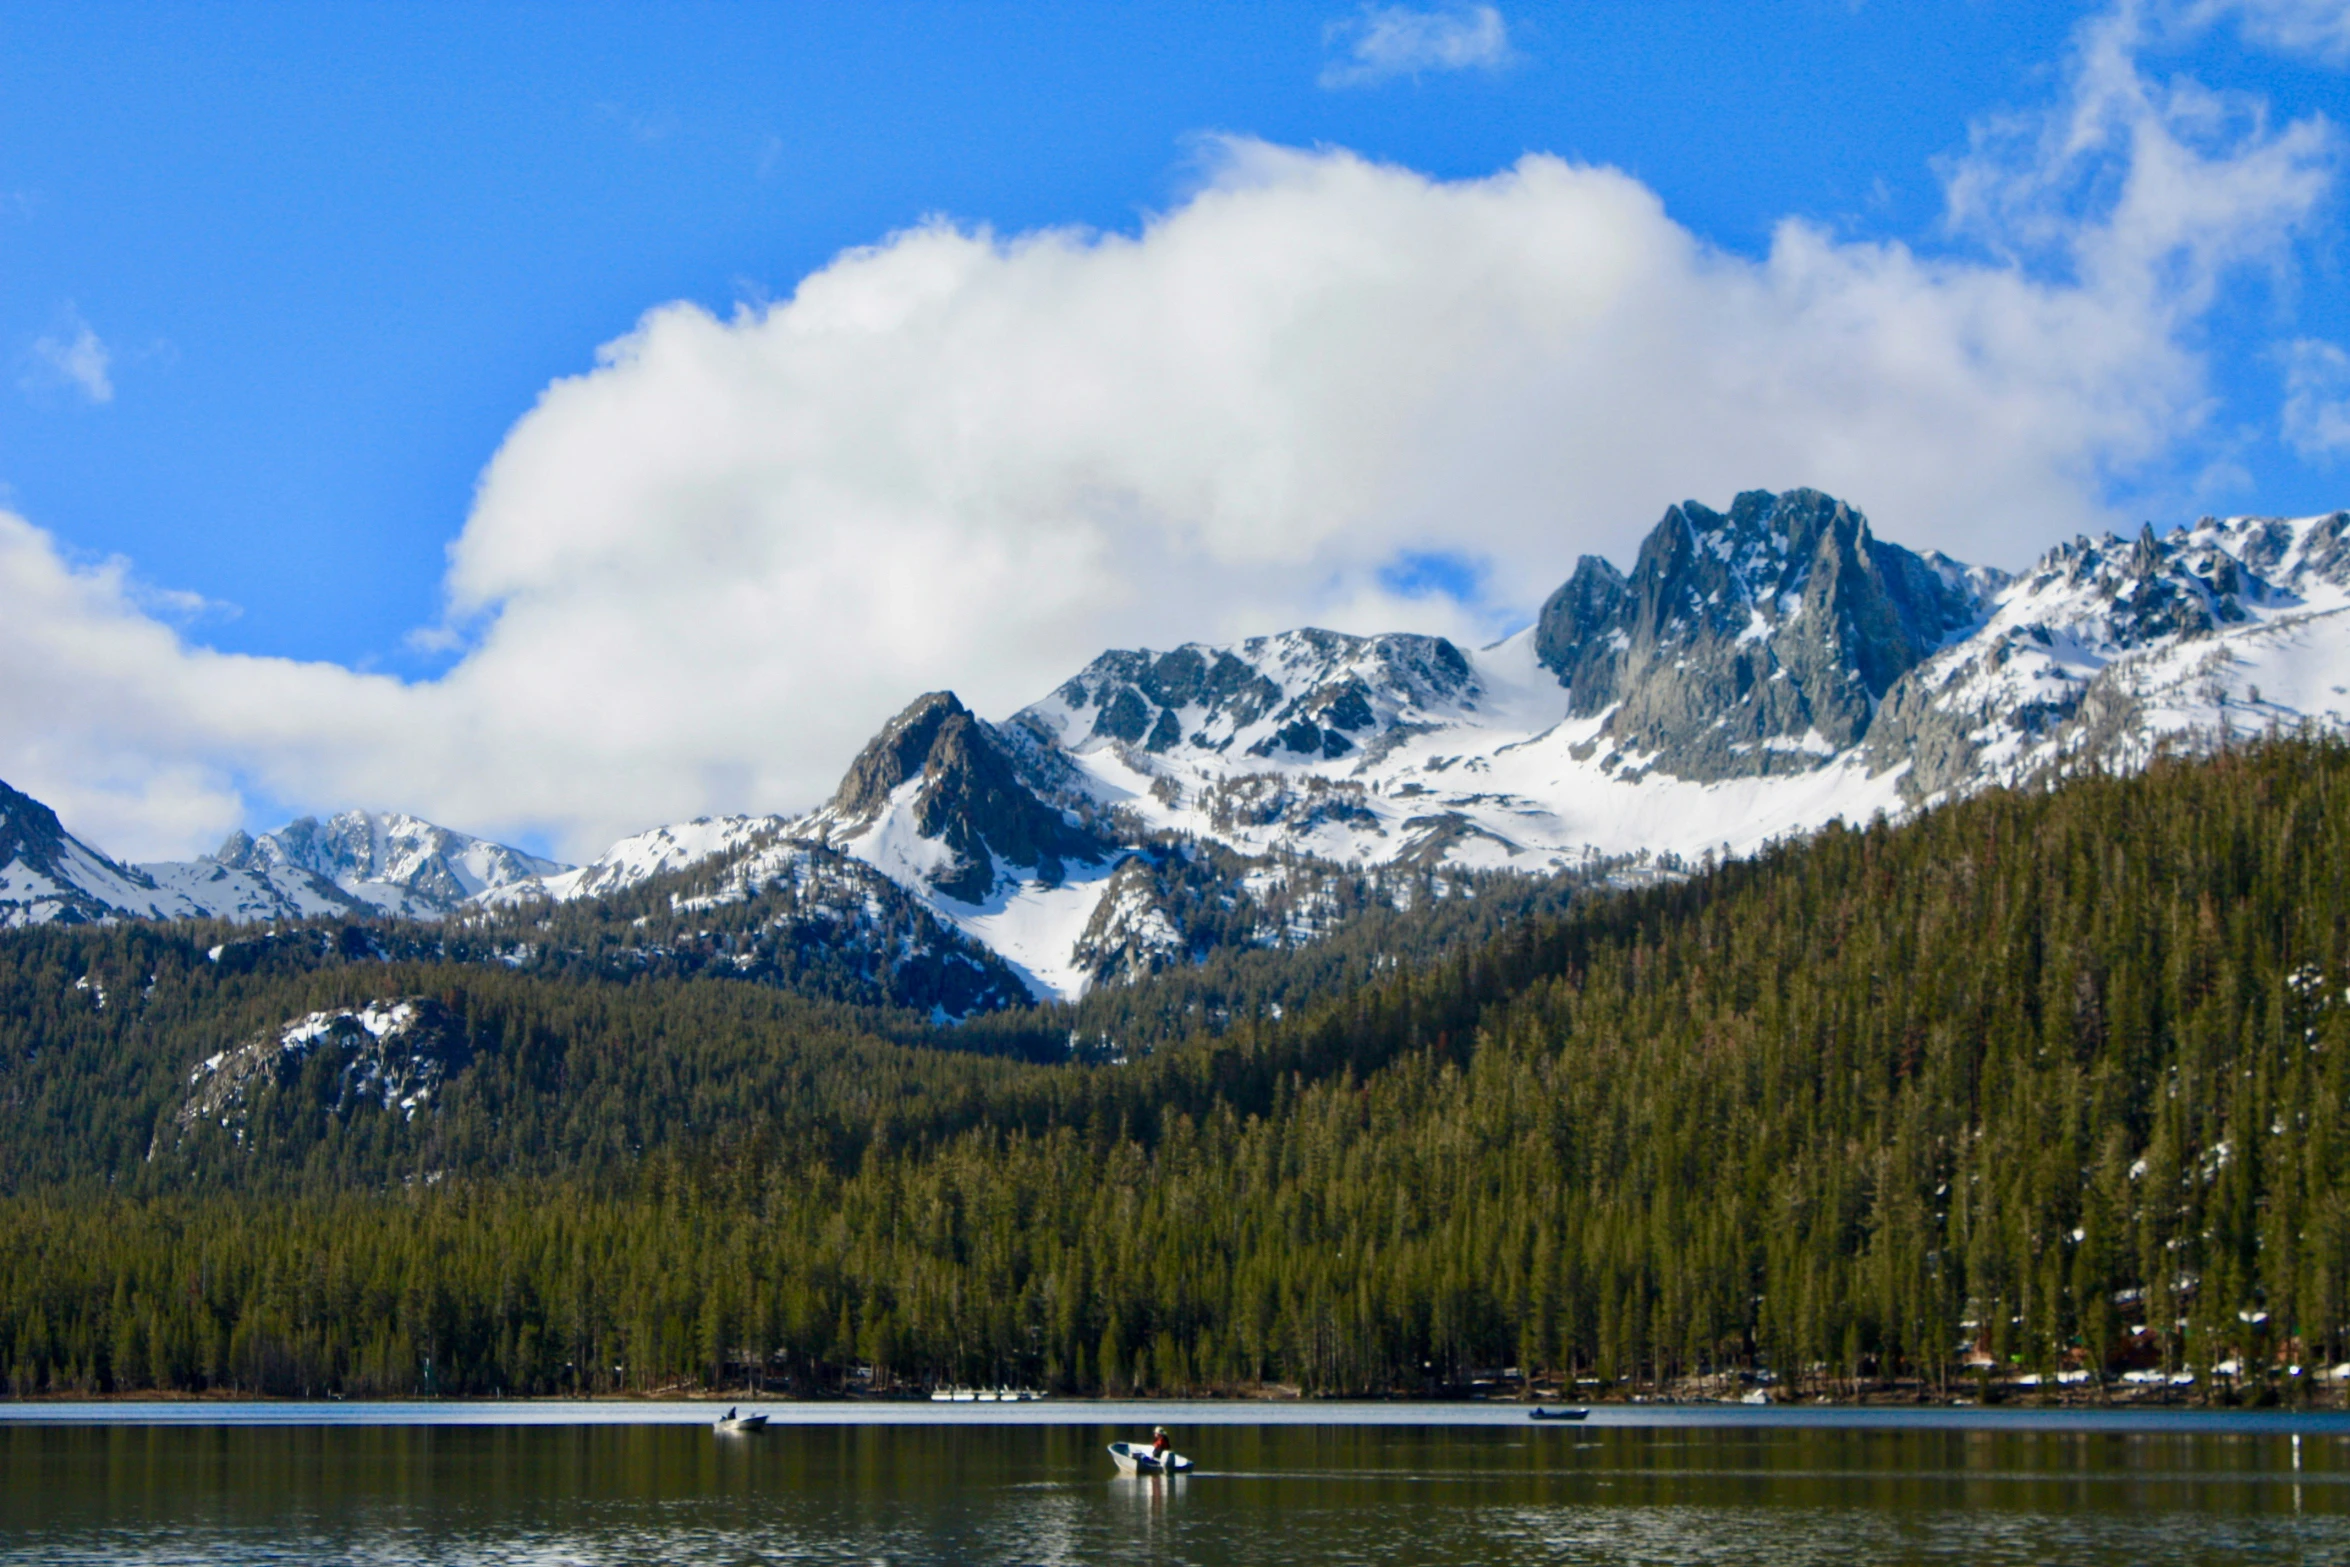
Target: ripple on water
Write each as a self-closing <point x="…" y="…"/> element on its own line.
<point x="484" y="1496"/>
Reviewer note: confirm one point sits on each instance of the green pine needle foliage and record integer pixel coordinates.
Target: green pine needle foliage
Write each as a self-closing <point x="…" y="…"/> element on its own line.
<point x="2047" y="1082"/>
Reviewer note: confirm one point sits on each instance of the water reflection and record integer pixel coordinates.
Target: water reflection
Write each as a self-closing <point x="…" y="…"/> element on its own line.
<point x="1269" y="1494"/>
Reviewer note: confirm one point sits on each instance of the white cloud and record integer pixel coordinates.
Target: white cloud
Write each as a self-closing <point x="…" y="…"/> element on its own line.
<point x="2148" y="191"/>
<point x="1383" y="42"/>
<point x="74" y="357"/>
<point x="2313" y="27"/>
<point x="2317" y="400"/>
<point x="699" y="575"/>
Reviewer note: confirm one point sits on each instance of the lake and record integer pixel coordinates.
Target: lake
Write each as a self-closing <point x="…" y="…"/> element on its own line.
<point x="1301" y="1483"/>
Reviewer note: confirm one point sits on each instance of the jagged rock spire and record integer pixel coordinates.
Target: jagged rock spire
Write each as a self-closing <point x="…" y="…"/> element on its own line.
<point x="1754" y="642"/>
<point x="970" y="797"/>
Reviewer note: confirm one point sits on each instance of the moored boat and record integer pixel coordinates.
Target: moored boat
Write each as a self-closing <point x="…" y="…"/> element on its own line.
<point x="1540" y="1413"/>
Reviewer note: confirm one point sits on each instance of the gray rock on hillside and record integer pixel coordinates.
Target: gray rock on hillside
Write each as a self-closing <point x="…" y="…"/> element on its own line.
<point x="1309" y="695"/>
<point x="970" y="797"/>
<point x="2099" y="631"/>
<point x="1751" y="643"/>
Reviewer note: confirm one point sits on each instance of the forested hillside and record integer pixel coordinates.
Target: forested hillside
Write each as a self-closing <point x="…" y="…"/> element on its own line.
<point x="2052" y="1083"/>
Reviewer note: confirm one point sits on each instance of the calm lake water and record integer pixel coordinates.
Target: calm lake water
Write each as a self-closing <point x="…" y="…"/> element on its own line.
<point x="283" y="1483"/>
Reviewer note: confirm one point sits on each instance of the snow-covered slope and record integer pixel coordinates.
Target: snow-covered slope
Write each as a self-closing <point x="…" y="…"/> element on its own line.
<point x="2110" y="648"/>
<point x="357" y="862"/>
<point x="1382" y="750"/>
<point x="47" y="875"/>
<point x="354" y="862"/>
<point x="1757" y="673"/>
<point x="642" y="856"/>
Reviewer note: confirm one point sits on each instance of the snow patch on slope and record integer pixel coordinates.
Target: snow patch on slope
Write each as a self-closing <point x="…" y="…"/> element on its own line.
<point x="644" y="855"/>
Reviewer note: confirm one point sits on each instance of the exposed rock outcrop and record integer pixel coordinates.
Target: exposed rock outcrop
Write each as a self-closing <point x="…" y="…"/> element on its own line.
<point x="1755" y="642"/>
<point x="967" y="797"/>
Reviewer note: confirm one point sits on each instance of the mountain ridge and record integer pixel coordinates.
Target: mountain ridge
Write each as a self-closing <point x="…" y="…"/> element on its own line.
<point x="1759" y="672"/>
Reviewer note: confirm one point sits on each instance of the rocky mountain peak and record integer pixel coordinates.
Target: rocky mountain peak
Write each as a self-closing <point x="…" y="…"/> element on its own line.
<point x="901" y="751"/>
<point x="388" y="860"/>
<point x="1749" y="642"/>
<point x="29" y="830"/>
<point x="1298" y="698"/>
<point x="968" y="798"/>
<point x="47" y="875"/>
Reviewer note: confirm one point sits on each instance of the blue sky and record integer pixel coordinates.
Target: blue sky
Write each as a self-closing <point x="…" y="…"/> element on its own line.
<point x="278" y="283"/>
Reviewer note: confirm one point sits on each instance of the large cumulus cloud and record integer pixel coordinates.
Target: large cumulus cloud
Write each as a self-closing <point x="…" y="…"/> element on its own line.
<point x="698" y="575"/>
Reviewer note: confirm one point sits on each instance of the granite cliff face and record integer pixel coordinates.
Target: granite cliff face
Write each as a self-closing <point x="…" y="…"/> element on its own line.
<point x="1751" y="643"/>
<point x="943" y="791"/>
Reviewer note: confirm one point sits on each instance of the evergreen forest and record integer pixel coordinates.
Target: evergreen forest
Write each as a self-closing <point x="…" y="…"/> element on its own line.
<point x="2042" y="1088"/>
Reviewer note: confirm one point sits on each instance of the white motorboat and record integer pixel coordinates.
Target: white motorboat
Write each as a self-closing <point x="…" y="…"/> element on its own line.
<point x="1134" y="1458"/>
<point x="733" y="1424"/>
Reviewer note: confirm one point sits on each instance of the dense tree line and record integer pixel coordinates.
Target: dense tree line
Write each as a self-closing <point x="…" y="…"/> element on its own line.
<point x="2048" y="1082"/>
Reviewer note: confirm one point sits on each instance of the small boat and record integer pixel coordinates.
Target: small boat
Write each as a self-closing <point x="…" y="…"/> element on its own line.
<point x="1134" y="1458"/>
<point x="1540" y="1413"/>
<point x="733" y="1424"/>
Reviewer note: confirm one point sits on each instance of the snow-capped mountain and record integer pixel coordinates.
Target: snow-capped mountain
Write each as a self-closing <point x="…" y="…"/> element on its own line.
<point x="353" y="863"/>
<point x="371" y="862"/>
<point x="48" y="876"/>
<point x="1758" y="672"/>
<point x="2109" y="648"/>
<point x="640" y="857"/>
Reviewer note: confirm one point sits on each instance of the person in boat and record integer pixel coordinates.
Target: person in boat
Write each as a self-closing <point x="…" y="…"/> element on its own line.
<point x="1160" y="1446"/>
<point x="730" y="1414"/>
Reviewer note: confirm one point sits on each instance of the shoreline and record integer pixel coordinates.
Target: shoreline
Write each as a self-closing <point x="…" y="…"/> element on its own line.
<point x="133" y="1414"/>
<point x="2025" y="1399"/>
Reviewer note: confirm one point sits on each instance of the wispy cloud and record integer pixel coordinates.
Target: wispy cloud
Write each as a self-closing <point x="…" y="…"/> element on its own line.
<point x="74" y="357"/>
<point x="1383" y="42"/>
<point x="2151" y="190"/>
<point x="2317" y="400"/>
<point x="2313" y="27"/>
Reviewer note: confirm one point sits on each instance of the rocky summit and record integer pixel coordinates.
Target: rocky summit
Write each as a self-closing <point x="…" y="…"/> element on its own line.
<point x="1753" y="642"/>
<point x="968" y="817"/>
<point x="388" y="863"/>
<point x="1757" y="672"/>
